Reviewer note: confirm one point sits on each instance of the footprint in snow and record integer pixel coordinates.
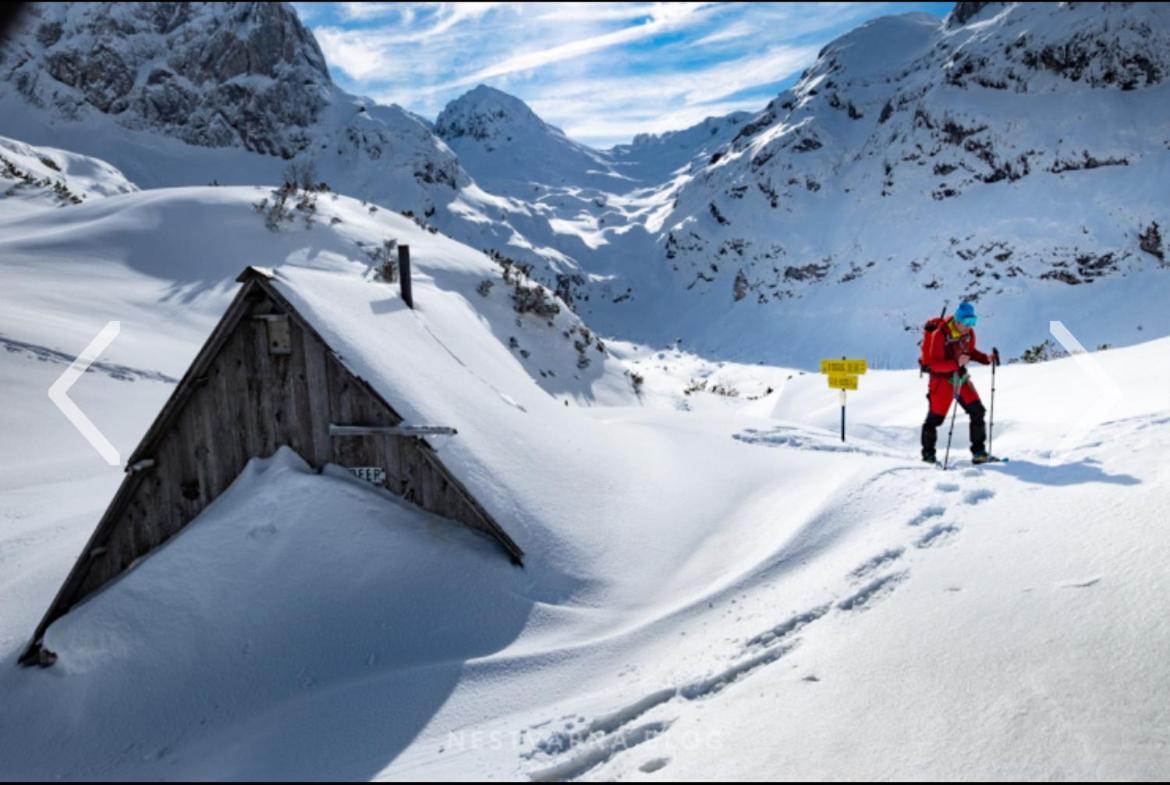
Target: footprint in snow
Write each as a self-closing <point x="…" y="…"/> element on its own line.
<point x="654" y="765"/>
<point x="871" y="564"/>
<point x="936" y="536"/>
<point x="974" y="497"/>
<point x="947" y="487"/>
<point x="872" y="592"/>
<point x="926" y="514"/>
<point x="264" y="530"/>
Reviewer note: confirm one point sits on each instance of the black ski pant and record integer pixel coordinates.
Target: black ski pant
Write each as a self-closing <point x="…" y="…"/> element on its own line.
<point x="977" y="429"/>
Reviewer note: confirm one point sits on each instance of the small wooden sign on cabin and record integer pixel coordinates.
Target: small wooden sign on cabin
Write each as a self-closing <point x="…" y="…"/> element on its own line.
<point x="375" y="475"/>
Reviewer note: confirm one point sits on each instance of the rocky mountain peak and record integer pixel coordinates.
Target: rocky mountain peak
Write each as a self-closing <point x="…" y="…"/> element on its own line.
<point x="211" y="74"/>
<point x="964" y="12"/>
<point x="489" y="115"/>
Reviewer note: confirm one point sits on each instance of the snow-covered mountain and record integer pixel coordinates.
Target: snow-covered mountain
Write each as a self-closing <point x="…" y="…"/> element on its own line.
<point x="198" y="93"/>
<point x="209" y="93"/>
<point x="1016" y="154"/>
<point x="660" y="157"/>
<point x="945" y="153"/>
<point x="513" y="151"/>
<point x="1012" y="154"/>
<point x="584" y="211"/>
<point x="954" y="154"/>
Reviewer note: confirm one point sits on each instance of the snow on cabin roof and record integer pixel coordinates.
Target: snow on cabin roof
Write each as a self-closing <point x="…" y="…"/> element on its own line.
<point x="440" y="364"/>
<point x="255" y="269"/>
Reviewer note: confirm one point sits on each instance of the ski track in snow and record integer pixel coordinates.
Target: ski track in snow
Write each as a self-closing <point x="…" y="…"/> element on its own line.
<point x="120" y="372"/>
<point x="582" y="747"/>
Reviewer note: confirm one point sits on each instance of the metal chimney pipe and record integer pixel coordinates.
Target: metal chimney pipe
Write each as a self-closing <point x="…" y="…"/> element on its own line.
<point x="404" y="275"/>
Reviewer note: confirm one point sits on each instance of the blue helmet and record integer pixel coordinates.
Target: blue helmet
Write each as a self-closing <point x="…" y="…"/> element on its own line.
<point x="965" y="314"/>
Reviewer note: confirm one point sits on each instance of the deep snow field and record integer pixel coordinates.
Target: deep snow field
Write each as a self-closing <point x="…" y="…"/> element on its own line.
<point x="716" y="586"/>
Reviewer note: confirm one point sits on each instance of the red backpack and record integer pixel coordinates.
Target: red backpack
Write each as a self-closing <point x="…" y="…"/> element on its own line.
<point x="928" y="330"/>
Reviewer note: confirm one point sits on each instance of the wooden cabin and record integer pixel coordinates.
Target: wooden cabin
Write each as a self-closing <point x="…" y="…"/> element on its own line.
<point x="264" y="379"/>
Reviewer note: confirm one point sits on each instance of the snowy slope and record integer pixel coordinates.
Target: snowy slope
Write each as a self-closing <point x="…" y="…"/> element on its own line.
<point x="583" y="217"/>
<point x="848" y="611"/>
<point x="172" y="255"/>
<point x="34" y="177"/>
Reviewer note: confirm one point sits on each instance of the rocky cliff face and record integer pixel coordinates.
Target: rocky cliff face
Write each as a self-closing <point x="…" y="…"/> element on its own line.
<point x="213" y="75"/>
<point x="229" y="93"/>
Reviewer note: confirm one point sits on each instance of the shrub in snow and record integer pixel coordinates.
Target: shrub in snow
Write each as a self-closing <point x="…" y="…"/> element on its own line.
<point x="283" y="204"/>
<point x="1151" y="242"/>
<point x="1046" y="350"/>
<point x="527" y="296"/>
<point x="24" y="179"/>
<point x="740" y="287"/>
<point x="420" y="222"/>
<point x="637" y="380"/>
<point x="534" y="298"/>
<point x="303" y="175"/>
<point x="704" y="385"/>
<point x="384" y="259"/>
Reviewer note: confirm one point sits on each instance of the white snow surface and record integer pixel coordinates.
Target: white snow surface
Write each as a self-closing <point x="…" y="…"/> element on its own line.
<point x="715" y="585"/>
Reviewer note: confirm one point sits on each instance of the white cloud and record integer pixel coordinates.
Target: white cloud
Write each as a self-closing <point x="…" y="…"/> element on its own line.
<point x="663" y="18"/>
<point x="664" y="98"/>
<point x="598" y="70"/>
<point x="363" y="11"/>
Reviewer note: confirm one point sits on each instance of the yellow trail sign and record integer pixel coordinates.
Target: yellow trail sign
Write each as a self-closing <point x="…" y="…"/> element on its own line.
<point x="842" y="381"/>
<point x="844" y="365"/>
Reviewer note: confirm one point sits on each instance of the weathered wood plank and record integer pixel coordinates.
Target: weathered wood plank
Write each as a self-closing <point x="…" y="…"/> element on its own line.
<point x="317" y="384"/>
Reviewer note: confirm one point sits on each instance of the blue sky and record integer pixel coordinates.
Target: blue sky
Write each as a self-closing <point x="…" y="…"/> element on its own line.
<point x="601" y="71"/>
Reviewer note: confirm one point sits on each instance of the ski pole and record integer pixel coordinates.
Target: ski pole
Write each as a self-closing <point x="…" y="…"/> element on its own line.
<point x="954" y="413"/>
<point x="991" y="421"/>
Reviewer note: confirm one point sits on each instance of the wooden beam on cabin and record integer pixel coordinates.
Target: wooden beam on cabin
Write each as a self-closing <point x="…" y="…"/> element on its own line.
<point x="391" y="430"/>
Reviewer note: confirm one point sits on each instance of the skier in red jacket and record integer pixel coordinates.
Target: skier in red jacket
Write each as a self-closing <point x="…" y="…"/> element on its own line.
<point x="946" y="352"/>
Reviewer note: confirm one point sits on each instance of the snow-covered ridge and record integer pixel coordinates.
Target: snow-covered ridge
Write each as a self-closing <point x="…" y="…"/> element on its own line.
<point x="171" y="256"/>
<point x="40" y="176"/>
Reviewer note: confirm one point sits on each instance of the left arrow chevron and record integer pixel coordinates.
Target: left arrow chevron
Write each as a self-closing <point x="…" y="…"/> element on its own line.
<point x="58" y="393"/>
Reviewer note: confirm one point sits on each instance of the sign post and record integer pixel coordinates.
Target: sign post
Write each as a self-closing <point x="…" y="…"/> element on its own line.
<point x="842" y="375"/>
